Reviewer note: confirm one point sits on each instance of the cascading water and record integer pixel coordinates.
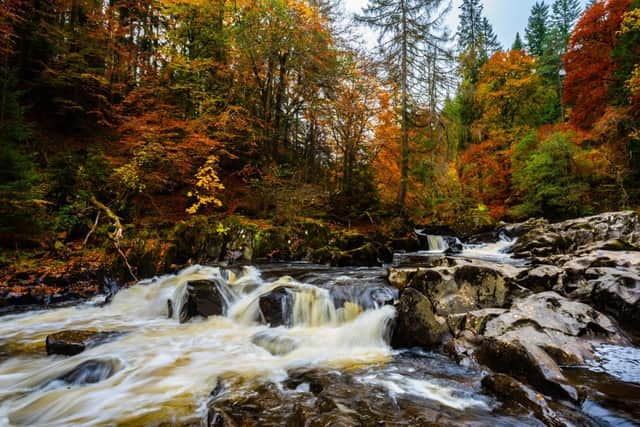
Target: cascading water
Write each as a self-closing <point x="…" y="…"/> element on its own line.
<point x="437" y="243"/>
<point x="159" y="370"/>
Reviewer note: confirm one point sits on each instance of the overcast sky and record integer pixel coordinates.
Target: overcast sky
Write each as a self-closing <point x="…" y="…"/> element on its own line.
<point x="507" y="16"/>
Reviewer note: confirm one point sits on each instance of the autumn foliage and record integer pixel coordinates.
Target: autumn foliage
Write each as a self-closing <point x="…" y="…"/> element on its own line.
<point x="589" y="62"/>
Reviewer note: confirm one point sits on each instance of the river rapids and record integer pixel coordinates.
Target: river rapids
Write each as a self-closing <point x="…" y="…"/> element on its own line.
<point x="157" y="371"/>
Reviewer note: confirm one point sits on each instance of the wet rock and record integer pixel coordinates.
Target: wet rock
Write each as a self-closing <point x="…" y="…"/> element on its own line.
<point x="528" y="363"/>
<point x="543" y="239"/>
<point x="70" y="343"/>
<point x="276" y="307"/>
<point x="365" y="297"/>
<point x="201" y="298"/>
<point x="462" y="347"/>
<point x="89" y="372"/>
<point x="541" y="278"/>
<point x="416" y="322"/>
<point x="473" y="321"/>
<point x="538" y="334"/>
<point x="461" y="287"/>
<point x="512" y="391"/>
<point x="454" y="245"/>
<point x="275" y="343"/>
<point x="608" y="280"/>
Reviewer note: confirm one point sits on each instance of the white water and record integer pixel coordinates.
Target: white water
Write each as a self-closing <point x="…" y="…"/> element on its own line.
<point x="494" y="252"/>
<point x="437" y="244"/>
<point x="165" y="370"/>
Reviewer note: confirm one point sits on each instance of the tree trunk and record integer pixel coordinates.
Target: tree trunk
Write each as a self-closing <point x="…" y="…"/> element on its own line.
<point x="404" y="156"/>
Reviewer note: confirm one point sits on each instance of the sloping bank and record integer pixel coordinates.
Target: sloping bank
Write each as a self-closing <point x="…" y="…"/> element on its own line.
<point x="68" y="275"/>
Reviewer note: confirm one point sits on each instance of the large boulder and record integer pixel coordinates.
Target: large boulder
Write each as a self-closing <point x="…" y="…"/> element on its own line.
<point x="202" y="298"/>
<point x="608" y="280"/>
<point x="72" y="342"/>
<point x="416" y="322"/>
<point x="541" y="332"/>
<point x="541" y="278"/>
<point x="460" y="286"/>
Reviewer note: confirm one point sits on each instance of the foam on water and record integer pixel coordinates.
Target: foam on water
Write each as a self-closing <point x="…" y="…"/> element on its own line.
<point x="166" y="370"/>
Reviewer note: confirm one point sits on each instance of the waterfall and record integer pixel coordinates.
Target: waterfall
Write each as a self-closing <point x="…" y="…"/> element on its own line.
<point x="437" y="243"/>
<point x="160" y="371"/>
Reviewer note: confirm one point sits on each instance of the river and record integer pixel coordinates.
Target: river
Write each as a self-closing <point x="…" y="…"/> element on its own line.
<point x="158" y="371"/>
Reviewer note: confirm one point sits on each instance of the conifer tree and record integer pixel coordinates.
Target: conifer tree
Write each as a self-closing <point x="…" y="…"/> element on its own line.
<point x="490" y="43"/>
<point x="517" y="44"/>
<point x="470" y="28"/>
<point x="536" y="30"/>
<point x="565" y="15"/>
<point x="407" y="32"/>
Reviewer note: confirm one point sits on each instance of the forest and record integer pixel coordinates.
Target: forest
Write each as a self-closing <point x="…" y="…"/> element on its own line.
<point x="122" y="116"/>
<point x="249" y="213"/>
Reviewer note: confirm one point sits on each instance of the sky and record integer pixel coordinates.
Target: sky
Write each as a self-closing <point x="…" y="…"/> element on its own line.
<point x="506" y="16"/>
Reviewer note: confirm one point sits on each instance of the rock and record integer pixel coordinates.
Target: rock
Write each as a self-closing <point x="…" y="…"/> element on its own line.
<point x="89" y="372"/>
<point x="541" y="278"/>
<point x="72" y="342"/>
<point x="275" y="343"/>
<point x="608" y="280"/>
<point x="202" y="298"/>
<point x="512" y="391"/>
<point x="617" y="292"/>
<point x="473" y="321"/>
<point x="461" y="287"/>
<point x="454" y="245"/>
<point x="416" y="322"/>
<point x="461" y="348"/>
<point x="541" y="239"/>
<point x="539" y="333"/>
<point x="400" y="278"/>
<point x="276" y="307"/>
<point x="528" y="363"/>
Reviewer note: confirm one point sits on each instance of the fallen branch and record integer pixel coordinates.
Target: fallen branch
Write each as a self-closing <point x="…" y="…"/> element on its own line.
<point x="93" y="229"/>
<point x="117" y="233"/>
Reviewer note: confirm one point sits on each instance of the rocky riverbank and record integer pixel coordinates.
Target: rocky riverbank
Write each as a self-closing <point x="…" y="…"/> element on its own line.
<point x="571" y="290"/>
<point x="72" y="272"/>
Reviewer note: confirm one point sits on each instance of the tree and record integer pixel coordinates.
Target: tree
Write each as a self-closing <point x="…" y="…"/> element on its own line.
<point x="491" y="44"/>
<point x="517" y="44"/>
<point x="350" y="115"/>
<point x="589" y="63"/>
<point x="536" y="30"/>
<point x="470" y="27"/>
<point x="564" y="17"/>
<point x="476" y="38"/>
<point x="512" y="94"/>
<point x="406" y="29"/>
<point x="549" y="180"/>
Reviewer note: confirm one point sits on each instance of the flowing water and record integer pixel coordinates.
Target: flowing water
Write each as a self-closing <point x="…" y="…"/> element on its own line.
<point x="158" y="371"/>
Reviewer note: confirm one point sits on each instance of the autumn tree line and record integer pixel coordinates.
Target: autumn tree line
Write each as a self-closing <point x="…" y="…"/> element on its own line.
<point x="157" y="110"/>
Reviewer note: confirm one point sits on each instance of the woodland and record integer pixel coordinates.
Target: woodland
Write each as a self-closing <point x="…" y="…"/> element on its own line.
<point x="123" y="119"/>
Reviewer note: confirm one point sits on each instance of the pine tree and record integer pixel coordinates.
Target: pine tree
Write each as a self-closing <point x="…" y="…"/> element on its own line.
<point x="564" y="17"/>
<point x="517" y="44"/>
<point x="470" y="27"/>
<point x="490" y="43"/>
<point x="476" y="39"/>
<point x="536" y="30"/>
<point x="407" y="29"/>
